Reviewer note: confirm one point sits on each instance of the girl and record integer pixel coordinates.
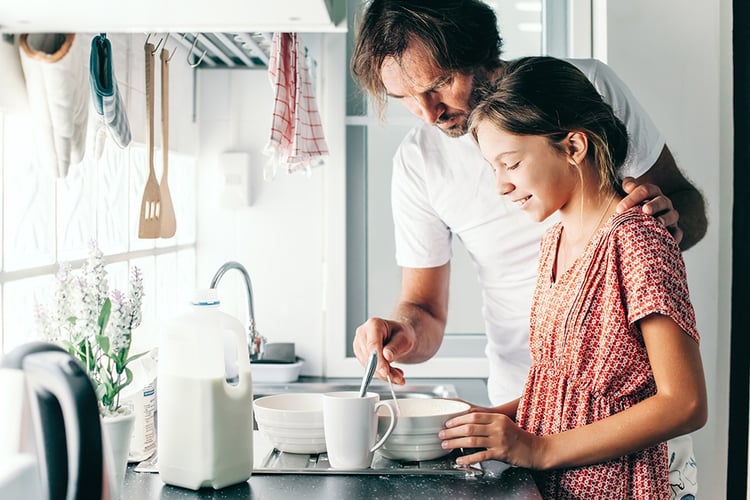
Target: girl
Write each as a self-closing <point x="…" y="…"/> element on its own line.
<point x="616" y="369"/>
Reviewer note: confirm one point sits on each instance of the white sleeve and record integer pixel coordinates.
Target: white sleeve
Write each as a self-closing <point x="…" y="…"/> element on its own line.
<point x="645" y="140"/>
<point x="422" y="238"/>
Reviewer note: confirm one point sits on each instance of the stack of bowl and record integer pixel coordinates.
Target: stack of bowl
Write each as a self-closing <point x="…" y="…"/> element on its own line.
<point x="291" y="422"/>
<point x="415" y="437"/>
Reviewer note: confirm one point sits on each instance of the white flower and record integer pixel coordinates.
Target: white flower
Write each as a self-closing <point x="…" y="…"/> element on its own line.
<point x="94" y="324"/>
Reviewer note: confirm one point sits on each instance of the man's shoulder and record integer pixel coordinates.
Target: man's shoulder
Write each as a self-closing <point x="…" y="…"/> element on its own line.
<point x="592" y="68"/>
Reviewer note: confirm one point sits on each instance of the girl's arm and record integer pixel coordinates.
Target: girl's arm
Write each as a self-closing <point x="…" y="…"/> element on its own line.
<point x="678" y="407"/>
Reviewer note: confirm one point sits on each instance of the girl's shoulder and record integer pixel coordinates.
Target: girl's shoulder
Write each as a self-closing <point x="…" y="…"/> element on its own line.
<point x="633" y="224"/>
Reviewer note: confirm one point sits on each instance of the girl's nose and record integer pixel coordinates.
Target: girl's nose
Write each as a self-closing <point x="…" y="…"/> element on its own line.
<point x="504" y="187"/>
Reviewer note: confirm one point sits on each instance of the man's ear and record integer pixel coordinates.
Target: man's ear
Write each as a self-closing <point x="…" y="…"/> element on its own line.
<point x="576" y="145"/>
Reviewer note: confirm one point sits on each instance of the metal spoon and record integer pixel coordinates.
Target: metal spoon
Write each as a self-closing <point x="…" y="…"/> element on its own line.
<point x="368" y="373"/>
<point x="393" y="395"/>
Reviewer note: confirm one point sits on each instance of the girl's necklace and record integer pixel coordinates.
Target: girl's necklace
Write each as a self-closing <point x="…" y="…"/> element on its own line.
<point x="563" y="254"/>
<point x="601" y="217"/>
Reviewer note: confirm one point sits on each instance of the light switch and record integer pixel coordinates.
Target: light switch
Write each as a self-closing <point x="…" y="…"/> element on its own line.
<point x="235" y="167"/>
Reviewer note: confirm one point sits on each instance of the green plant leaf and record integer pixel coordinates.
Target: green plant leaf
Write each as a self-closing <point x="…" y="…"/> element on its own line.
<point x="136" y="356"/>
<point x="103" y="342"/>
<point x="128" y="377"/>
<point x="104" y="315"/>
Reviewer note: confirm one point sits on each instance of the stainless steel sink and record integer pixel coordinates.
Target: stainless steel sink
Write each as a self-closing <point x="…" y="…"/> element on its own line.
<point x="438" y="390"/>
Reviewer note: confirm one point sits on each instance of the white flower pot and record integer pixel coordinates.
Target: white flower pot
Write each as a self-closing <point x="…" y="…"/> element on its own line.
<point x="116" y="432"/>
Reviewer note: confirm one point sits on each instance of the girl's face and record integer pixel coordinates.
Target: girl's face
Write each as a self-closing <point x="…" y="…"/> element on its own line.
<point x="535" y="175"/>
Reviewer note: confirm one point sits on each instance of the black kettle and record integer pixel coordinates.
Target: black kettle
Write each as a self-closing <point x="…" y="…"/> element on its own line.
<point x="59" y="415"/>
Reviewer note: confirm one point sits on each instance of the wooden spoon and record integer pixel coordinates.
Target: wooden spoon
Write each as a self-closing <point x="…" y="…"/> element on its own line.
<point x="168" y="222"/>
<point x="149" y="225"/>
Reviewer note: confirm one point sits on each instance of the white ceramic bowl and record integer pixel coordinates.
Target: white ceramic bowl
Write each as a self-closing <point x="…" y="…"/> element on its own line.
<point x="415" y="437"/>
<point x="292" y="422"/>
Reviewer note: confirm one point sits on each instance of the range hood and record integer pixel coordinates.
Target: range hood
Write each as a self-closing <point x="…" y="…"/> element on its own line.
<point x="192" y="16"/>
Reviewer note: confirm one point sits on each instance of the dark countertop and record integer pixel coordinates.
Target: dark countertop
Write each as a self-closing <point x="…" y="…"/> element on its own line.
<point x="498" y="481"/>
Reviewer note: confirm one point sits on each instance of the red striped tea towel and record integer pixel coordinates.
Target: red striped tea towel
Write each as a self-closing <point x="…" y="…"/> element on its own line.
<point x="296" y="138"/>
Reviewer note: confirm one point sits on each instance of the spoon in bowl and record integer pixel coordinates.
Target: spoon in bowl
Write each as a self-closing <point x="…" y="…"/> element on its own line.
<point x="393" y="395"/>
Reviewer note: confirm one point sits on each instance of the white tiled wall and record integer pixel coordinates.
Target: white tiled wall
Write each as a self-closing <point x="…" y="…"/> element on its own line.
<point x="46" y="221"/>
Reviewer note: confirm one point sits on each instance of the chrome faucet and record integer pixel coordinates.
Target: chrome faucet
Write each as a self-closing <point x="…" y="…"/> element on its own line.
<point x="255" y="341"/>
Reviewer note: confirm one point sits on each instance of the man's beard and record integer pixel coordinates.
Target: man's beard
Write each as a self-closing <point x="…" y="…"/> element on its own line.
<point x="461" y="127"/>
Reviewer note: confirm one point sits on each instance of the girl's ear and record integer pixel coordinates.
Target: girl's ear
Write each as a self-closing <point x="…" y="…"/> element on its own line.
<point x="576" y="144"/>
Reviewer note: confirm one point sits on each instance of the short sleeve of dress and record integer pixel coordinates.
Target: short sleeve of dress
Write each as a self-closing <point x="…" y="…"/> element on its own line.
<point x="653" y="274"/>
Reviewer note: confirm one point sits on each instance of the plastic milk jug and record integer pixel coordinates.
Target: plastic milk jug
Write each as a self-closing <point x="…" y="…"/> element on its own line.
<point x="204" y="398"/>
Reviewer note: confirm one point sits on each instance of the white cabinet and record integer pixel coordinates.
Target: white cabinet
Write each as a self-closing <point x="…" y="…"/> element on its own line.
<point x="91" y="16"/>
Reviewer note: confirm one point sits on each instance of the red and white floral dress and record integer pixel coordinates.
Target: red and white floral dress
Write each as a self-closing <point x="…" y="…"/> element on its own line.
<point x="589" y="360"/>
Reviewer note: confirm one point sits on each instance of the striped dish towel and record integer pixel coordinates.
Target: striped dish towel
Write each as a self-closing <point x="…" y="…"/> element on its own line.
<point x="296" y="138"/>
<point x="105" y="92"/>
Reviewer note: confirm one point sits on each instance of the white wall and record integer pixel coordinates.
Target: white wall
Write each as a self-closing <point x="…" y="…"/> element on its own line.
<point x="282" y="237"/>
<point x="677" y="61"/>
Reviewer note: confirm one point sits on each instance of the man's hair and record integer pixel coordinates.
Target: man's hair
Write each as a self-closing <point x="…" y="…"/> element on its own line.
<point x="458" y="36"/>
<point x="550" y="97"/>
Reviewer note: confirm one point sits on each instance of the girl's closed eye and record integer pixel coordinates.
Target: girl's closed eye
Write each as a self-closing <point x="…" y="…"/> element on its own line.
<point x="513" y="167"/>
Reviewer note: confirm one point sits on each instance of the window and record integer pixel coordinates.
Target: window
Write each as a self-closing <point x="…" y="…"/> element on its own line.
<point x="45" y="221"/>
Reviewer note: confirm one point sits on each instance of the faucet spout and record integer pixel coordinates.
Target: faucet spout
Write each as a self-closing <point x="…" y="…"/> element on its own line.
<point x="256" y="342"/>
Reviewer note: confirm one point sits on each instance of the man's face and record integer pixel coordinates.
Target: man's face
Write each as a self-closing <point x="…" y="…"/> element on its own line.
<point x="440" y="99"/>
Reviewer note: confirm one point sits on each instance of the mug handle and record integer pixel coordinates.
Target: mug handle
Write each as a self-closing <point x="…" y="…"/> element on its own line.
<point x="391" y="426"/>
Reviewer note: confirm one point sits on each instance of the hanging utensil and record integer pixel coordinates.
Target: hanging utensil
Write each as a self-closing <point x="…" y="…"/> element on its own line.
<point x="368" y="373"/>
<point x="149" y="225"/>
<point x="168" y="222"/>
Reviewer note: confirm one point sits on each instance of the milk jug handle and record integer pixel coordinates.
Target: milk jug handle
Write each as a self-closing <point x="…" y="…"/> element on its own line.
<point x="243" y="363"/>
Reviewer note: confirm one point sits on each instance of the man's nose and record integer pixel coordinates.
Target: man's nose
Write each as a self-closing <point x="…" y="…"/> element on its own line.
<point x="430" y="108"/>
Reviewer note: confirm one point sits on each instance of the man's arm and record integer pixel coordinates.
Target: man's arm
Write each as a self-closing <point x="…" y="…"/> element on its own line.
<point x="416" y="331"/>
<point x="668" y="191"/>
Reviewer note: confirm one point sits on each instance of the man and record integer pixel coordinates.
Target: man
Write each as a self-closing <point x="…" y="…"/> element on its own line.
<point x="433" y="56"/>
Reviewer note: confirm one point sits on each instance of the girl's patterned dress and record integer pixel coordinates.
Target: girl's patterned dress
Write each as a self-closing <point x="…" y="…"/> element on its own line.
<point x="589" y="360"/>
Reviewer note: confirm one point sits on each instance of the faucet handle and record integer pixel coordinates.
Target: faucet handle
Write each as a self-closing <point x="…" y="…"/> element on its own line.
<point x="256" y="344"/>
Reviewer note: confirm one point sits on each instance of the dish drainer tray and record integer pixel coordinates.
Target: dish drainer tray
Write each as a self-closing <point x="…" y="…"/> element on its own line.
<point x="278" y="462"/>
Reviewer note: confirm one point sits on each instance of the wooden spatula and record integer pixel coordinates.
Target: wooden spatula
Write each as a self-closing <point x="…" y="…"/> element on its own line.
<point x="168" y="222"/>
<point x="149" y="225"/>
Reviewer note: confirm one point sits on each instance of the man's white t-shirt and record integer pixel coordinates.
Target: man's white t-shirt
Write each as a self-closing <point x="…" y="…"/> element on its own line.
<point x="442" y="187"/>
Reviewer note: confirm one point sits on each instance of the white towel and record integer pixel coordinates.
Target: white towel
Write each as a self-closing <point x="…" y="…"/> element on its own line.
<point x="12" y="83"/>
<point x="57" y="84"/>
<point x="296" y="138"/>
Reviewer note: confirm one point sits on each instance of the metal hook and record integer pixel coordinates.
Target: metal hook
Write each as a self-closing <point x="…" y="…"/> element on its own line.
<point x="157" y="45"/>
<point x="192" y="48"/>
<point x="165" y="48"/>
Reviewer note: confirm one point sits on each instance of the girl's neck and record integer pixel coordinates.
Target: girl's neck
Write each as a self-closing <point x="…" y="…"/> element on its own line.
<point x="586" y="212"/>
<point x="580" y="221"/>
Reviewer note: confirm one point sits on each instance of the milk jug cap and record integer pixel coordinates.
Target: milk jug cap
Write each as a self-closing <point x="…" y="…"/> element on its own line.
<point x="205" y="297"/>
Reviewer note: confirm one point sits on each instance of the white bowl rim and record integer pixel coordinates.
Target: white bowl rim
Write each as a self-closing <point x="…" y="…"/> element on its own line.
<point x="308" y="402"/>
<point x="453" y="407"/>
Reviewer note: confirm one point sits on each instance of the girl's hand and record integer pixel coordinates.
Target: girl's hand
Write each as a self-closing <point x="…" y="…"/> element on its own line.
<point x="500" y="437"/>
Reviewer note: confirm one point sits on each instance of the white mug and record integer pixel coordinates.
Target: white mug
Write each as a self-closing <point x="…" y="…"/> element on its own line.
<point x="351" y="428"/>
